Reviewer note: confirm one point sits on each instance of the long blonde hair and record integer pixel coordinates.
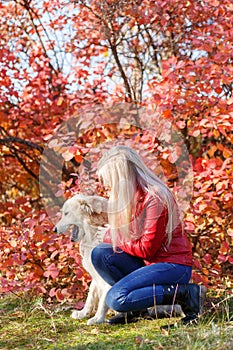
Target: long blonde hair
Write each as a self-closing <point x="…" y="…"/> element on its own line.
<point x="123" y="170"/>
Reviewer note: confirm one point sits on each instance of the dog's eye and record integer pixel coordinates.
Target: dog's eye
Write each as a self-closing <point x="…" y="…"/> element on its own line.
<point x="66" y="213"/>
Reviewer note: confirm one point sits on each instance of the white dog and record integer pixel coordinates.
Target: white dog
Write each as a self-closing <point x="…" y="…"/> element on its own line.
<point x="88" y="214"/>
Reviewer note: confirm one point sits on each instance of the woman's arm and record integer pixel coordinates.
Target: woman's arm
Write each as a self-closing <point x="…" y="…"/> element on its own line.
<point x="153" y="232"/>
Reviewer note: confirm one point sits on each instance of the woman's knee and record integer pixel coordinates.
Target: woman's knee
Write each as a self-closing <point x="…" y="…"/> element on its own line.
<point x="98" y="252"/>
<point x="116" y="299"/>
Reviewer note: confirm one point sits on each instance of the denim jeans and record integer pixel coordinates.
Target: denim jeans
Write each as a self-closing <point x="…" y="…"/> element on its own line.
<point x="135" y="286"/>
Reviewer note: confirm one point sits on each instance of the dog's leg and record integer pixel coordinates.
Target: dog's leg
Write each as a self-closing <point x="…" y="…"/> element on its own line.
<point x="102" y="308"/>
<point x="90" y="304"/>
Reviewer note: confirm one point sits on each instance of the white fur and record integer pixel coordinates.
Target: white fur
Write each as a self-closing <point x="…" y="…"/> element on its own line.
<point x="89" y="215"/>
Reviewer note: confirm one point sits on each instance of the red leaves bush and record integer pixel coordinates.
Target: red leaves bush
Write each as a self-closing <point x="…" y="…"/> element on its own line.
<point x="33" y="258"/>
<point x="209" y="222"/>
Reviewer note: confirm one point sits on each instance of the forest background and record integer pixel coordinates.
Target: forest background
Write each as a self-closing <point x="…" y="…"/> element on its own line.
<point x="77" y="77"/>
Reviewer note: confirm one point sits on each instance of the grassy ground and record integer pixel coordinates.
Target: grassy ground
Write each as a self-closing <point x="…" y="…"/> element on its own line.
<point x="27" y="323"/>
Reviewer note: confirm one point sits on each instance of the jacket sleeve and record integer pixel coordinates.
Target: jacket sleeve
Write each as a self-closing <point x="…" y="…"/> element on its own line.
<point x="153" y="232"/>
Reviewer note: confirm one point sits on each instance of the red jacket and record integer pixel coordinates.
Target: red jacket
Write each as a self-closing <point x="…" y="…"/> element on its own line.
<point x="150" y="226"/>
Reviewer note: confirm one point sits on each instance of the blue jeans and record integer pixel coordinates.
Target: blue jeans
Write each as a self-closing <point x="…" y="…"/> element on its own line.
<point x="135" y="286"/>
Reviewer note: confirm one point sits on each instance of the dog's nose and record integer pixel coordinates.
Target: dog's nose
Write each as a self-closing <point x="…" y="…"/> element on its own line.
<point x="55" y="229"/>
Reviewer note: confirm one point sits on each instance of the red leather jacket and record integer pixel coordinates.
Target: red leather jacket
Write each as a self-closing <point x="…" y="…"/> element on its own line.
<point x="150" y="226"/>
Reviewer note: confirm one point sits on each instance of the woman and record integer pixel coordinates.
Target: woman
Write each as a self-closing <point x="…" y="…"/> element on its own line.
<point x="146" y="257"/>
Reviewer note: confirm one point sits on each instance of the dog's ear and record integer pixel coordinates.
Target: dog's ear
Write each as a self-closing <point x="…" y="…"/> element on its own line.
<point x="85" y="207"/>
<point x="92" y="205"/>
<point x="96" y="205"/>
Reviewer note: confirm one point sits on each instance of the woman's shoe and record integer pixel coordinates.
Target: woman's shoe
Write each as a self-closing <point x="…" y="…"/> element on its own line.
<point x="190" y="297"/>
<point x="127" y="317"/>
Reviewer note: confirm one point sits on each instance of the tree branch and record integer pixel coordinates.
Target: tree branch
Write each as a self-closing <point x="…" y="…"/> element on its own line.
<point x="10" y="140"/>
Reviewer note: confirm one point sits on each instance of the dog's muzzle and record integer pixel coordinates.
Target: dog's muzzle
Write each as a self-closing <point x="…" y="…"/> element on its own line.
<point x="74" y="234"/>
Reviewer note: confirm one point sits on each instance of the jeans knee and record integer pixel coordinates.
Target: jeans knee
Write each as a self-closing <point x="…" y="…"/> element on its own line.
<point x="116" y="299"/>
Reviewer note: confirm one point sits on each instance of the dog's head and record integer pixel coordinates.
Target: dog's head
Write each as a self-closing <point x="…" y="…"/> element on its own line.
<point x="80" y="210"/>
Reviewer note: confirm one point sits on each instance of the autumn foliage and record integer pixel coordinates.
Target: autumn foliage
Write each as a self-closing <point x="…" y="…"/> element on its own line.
<point x="79" y="76"/>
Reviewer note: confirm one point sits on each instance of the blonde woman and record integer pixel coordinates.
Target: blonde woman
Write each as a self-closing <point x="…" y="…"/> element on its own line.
<point x="146" y="257"/>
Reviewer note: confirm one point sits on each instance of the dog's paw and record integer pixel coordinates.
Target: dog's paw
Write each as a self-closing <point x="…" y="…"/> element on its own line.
<point x="78" y="315"/>
<point x="94" y="320"/>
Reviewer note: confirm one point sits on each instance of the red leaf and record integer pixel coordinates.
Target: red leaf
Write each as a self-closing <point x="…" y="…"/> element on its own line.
<point x="78" y="158"/>
<point x="189" y="226"/>
<point x="52" y="271"/>
<point x="197" y="264"/>
<point x="21" y="200"/>
<point x="79" y="305"/>
<point x="42" y="217"/>
<point x="224" y="248"/>
<point x="222" y="258"/>
<point x="30" y="222"/>
<point x="207" y="259"/>
<point x="39" y="230"/>
<point x="54" y="254"/>
<point x="79" y="273"/>
<point x="38" y="271"/>
<point x="52" y="292"/>
<point x="218" y="90"/>
<point x="167" y="114"/>
<point x="59" y="295"/>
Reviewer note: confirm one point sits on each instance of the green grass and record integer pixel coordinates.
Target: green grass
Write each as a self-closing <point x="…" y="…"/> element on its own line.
<point x="27" y="323"/>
